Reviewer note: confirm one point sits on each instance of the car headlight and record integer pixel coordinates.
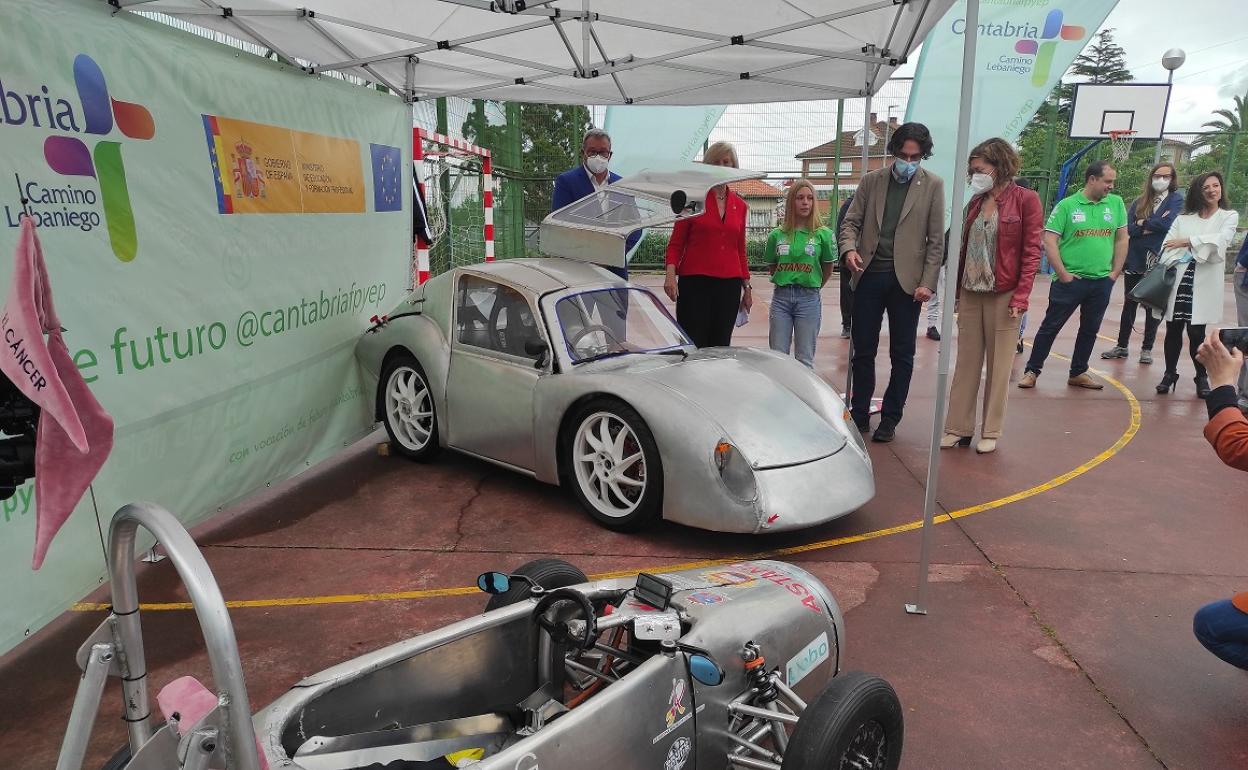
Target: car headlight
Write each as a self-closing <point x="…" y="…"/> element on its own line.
<point x="735" y="471"/>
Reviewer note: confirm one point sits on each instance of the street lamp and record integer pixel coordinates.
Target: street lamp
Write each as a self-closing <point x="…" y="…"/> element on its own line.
<point x="1171" y="60"/>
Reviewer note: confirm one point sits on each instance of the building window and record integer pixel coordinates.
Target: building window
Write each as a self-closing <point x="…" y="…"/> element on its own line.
<point x="817" y="169"/>
<point x="847" y="168"/>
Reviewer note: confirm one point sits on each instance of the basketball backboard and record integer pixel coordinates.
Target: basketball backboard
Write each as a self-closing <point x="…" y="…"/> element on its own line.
<point x="1099" y="108"/>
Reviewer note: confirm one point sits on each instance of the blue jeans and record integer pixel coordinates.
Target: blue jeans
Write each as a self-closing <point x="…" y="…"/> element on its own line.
<point x="875" y="295"/>
<point x="796" y="312"/>
<point x="1090" y="296"/>
<point x="1223" y="630"/>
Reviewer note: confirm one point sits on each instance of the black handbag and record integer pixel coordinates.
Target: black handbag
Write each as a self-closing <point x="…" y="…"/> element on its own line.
<point x="1154" y="289"/>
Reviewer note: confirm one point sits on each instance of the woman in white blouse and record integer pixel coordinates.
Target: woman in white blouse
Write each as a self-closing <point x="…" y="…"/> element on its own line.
<point x="1197" y="242"/>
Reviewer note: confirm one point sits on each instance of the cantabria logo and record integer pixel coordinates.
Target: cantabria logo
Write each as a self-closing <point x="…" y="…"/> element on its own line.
<point x="1035" y="45"/>
<point x="97" y="114"/>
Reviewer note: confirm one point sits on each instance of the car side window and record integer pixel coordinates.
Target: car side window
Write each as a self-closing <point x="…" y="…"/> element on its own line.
<point x="494" y="317"/>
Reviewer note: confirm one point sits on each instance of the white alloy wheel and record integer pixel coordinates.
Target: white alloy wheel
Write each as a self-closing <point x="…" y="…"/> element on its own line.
<point x="409" y="408"/>
<point x="609" y="464"/>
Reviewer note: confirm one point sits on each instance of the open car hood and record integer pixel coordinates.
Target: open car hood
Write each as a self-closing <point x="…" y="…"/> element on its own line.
<point x="594" y="228"/>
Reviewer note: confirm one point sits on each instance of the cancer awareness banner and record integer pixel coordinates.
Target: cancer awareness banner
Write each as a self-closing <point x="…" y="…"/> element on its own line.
<point x="1023" y="49"/>
<point x="218" y="230"/>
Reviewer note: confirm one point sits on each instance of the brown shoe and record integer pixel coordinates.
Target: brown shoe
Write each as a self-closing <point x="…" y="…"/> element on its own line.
<point x="1028" y="380"/>
<point x="1085" y="381"/>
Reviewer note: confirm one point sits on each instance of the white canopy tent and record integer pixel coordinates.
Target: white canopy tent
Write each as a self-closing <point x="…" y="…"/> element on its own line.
<point x="656" y="52"/>
<point x="585" y="51"/>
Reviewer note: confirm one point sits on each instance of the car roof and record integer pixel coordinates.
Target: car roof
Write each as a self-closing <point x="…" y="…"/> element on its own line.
<point x="547" y="274"/>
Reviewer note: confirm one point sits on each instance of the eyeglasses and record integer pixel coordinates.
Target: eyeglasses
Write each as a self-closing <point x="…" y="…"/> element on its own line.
<point x="599" y="153"/>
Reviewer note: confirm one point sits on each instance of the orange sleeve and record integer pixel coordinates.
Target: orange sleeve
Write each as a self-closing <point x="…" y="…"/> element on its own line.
<point x="1228" y="433"/>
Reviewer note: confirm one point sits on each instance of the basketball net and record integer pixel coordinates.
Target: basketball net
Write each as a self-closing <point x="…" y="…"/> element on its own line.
<point x="1120" y="144"/>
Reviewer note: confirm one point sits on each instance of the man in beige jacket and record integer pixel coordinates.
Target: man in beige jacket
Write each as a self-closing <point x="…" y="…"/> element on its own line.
<point x="893" y="238"/>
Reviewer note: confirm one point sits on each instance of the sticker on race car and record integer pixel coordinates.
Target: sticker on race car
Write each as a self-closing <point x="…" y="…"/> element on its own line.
<point x="705" y="598"/>
<point x="807" y="660"/>
<point x="678" y="754"/>
<point x="790" y="584"/>
<point x="527" y="762"/>
<point x="682" y="582"/>
<point x="727" y="577"/>
<point x="676" y="701"/>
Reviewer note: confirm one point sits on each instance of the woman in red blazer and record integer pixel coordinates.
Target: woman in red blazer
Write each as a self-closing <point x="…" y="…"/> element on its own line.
<point x="707" y="274"/>
<point x="1222" y="627"/>
<point x="1000" y="256"/>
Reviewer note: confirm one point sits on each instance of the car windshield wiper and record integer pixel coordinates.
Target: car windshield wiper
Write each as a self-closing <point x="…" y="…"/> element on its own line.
<point x="611" y="354"/>
<point x="674" y="352"/>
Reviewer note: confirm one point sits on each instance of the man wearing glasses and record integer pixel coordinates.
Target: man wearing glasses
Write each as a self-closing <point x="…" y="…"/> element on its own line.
<point x="893" y="239"/>
<point x="590" y="177"/>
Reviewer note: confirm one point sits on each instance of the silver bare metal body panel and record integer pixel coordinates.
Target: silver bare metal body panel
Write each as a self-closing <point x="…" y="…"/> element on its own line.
<point x="470" y="668"/>
<point x="810" y="465"/>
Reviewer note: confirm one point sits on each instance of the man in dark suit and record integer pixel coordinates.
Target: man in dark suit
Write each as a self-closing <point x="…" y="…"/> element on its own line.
<point x="589" y="177"/>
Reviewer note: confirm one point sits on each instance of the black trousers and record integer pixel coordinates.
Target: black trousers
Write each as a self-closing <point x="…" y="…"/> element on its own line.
<point x="706" y="308"/>
<point x="880" y="294"/>
<point x="1129" y="308"/>
<point x="847" y="295"/>
<point x="1174" y="344"/>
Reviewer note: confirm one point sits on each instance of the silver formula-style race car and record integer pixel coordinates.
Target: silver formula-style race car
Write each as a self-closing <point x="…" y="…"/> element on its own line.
<point x="560" y="370"/>
<point x="733" y="666"/>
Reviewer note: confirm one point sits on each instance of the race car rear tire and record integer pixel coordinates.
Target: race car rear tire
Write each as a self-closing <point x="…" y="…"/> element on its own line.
<point x="547" y="573"/>
<point x="856" y="722"/>
<point x="407" y="408"/>
<point x="603" y="478"/>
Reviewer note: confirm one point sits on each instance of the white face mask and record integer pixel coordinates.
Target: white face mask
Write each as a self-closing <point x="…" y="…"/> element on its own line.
<point x="596" y="164"/>
<point x="981" y="183"/>
<point x="1160" y="185"/>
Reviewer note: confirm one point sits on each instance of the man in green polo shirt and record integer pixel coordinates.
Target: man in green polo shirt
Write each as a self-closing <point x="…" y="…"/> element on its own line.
<point x="1086" y="241"/>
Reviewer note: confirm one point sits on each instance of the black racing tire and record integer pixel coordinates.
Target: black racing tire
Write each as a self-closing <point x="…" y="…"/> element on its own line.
<point x="648" y="506"/>
<point x="119" y="760"/>
<point x="402" y="372"/>
<point x="855" y="723"/>
<point x="547" y="573"/>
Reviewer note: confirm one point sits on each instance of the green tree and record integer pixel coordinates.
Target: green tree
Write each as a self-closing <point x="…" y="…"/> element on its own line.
<point x="1227" y="122"/>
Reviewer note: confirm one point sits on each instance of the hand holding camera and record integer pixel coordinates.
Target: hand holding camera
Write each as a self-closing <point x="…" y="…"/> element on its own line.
<point x="1222" y="354"/>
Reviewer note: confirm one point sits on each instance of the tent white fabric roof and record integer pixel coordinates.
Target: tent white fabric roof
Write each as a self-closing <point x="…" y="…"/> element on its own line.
<point x="585" y="51"/>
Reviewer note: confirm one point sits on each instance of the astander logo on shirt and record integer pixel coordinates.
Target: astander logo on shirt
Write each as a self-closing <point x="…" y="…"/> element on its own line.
<point x="60" y="203"/>
<point x="1036" y="44"/>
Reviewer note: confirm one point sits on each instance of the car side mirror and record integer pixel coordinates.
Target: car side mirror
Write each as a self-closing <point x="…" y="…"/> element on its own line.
<point x="705" y="670"/>
<point x="494" y="582"/>
<point x="537" y="348"/>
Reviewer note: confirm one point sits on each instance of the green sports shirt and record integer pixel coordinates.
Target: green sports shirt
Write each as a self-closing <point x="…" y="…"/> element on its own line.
<point x="799" y="256"/>
<point x="1086" y="232"/>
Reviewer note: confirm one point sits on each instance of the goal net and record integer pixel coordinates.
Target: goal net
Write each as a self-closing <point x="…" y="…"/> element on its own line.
<point x="455" y="182"/>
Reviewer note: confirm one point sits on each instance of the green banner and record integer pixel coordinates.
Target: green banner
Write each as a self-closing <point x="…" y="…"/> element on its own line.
<point x="221" y="344"/>
<point x="1023" y="49"/>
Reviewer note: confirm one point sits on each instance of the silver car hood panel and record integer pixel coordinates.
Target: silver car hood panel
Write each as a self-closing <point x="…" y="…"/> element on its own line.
<point x="768" y="423"/>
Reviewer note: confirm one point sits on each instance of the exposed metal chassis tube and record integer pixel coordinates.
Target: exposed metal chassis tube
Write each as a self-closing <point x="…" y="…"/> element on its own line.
<point x="214" y="620"/>
<point x="762" y="721"/>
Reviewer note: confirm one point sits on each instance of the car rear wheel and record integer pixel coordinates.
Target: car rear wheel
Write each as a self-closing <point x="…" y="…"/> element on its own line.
<point x="613" y="465"/>
<point x="407" y="408"/>
<point x="547" y="573"/>
<point x="854" y="724"/>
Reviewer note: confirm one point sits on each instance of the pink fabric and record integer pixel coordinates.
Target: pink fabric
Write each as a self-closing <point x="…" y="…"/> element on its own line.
<point x="191" y="701"/>
<point x="75" y="434"/>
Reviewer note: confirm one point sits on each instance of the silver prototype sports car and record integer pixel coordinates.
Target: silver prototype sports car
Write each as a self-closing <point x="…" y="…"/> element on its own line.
<point x="732" y="666"/>
<point x="560" y="370"/>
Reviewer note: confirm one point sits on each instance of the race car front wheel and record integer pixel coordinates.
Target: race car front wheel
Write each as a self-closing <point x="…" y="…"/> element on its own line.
<point x="407" y="408"/>
<point x="613" y="465"/>
<point x="855" y="723"/>
<point x="547" y="573"/>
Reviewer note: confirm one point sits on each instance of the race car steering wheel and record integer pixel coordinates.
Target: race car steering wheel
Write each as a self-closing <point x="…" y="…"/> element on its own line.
<point x="607" y="335"/>
<point x="559" y="630"/>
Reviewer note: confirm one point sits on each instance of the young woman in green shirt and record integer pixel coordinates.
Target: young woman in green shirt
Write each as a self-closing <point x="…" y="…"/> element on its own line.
<point x="800" y="256"/>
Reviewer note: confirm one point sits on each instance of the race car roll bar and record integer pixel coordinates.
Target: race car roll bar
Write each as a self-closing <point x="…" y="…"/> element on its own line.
<point x="239" y="739"/>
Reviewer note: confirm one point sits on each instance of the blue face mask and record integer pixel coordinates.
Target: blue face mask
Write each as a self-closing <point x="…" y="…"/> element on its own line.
<point x="903" y="170"/>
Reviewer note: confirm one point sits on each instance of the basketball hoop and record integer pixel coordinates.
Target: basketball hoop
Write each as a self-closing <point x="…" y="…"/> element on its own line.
<point x="1120" y="143"/>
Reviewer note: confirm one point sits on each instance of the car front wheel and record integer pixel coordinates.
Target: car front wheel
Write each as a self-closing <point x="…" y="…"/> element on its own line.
<point x="407" y="408"/>
<point x="854" y="724"/>
<point x="613" y="465"/>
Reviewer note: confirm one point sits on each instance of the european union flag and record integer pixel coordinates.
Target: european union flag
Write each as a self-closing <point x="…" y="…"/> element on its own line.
<point x="387" y="170"/>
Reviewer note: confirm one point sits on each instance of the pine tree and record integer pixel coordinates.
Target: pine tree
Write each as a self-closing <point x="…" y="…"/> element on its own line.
<point x="1102" y="61"/>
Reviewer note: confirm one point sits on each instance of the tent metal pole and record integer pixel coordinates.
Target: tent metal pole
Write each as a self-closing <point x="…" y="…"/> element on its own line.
<point x="961" y="151"/>
<point x="862" y="171"/>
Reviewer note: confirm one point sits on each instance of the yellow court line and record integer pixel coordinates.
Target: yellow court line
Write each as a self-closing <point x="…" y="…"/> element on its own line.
<point x="940" y="518"/>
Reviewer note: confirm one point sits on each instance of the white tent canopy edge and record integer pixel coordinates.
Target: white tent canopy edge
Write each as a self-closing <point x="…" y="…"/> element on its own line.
<point x="603" y="52"/>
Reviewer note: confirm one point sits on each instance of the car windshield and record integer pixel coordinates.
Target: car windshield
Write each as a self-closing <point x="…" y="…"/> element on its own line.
<point x="609" y="322"/>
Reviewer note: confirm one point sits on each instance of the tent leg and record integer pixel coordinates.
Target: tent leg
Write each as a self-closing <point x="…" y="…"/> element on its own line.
<point x="862" y="171"/>
<point x="961" y="151"/>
